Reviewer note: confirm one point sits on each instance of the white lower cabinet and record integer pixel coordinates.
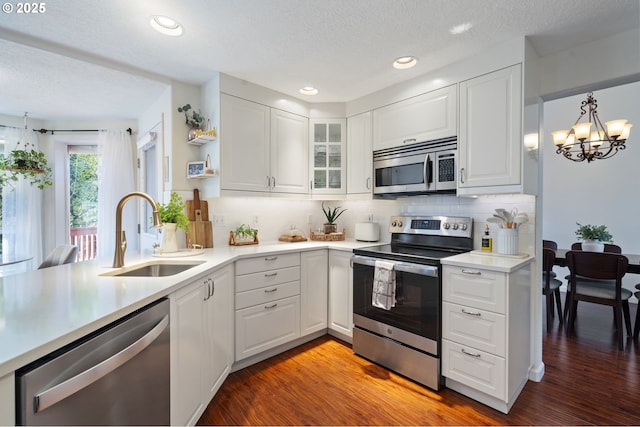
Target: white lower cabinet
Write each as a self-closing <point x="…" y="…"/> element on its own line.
<point x="340" y="294"/>
<point x="313" y="290"/>
<point x="267" y="303"/>
<point x="485" y="333"/>
<point x="201" y="343"/>
<point x="7" y="397"/>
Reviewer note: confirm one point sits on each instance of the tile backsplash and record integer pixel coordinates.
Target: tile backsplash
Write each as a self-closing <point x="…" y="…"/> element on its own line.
<point x="273" y="216"/>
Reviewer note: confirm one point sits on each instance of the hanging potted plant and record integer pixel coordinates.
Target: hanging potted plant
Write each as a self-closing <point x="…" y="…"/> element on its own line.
<point x="193" y="119"/>
<point x="594" y="237"/>
<point x="27" y="163"/>
<point x="173" y="218"/>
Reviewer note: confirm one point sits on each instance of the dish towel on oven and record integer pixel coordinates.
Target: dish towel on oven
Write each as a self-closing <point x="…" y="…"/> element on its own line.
<point x="384" y="285"/>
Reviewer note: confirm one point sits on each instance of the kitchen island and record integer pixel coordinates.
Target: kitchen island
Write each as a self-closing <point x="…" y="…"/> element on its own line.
<point x="44" y="310"/>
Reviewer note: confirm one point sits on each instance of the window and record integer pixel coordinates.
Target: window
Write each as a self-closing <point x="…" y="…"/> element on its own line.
<point x="83" y="199"/>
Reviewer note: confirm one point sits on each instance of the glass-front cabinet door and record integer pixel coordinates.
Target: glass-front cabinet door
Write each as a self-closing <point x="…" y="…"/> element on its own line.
<point x="328" y="156"/>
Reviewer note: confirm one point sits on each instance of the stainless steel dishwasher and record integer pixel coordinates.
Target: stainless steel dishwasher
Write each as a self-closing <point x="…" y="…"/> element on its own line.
<point x="118" y="375"/>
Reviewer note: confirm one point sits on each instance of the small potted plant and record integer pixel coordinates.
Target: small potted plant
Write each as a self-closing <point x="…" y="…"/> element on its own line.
<point x="193" y="119"/>
<point x="28" y="163"/>
<point x="594" y="237"/>
<point x="332" y="215"/>
<point x="173" y="217"/>
<point x="243" y="235"/>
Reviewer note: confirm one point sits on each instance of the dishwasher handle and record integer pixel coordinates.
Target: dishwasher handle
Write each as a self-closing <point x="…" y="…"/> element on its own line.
<point x="84" y="379"/>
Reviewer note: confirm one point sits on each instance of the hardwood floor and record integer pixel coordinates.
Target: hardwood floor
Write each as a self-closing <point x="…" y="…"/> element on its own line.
<point x="587" y="381"/>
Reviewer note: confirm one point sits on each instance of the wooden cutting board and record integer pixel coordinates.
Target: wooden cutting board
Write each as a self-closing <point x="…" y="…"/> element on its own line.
<point x="200" y="232"/>
<point x="196" y="203"/>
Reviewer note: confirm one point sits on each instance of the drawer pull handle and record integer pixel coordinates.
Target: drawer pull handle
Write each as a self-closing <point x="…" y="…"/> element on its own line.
<point x="274" y="305"/>
<point x="270" y="290"/>
<point x="270" y="258"/>
<point x="476" y="355"/>
<point x="271" y="274"/>
<point x="409" y="140"/>
<point x="471" y="313"/>
<point x="474" y="272"/>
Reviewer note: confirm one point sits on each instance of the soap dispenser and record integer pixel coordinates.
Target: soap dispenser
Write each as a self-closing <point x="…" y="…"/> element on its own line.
<point x="487" y="241"/>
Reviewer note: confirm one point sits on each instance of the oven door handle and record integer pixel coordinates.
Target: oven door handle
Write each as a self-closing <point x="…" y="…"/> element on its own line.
<point x="404" y="267"/>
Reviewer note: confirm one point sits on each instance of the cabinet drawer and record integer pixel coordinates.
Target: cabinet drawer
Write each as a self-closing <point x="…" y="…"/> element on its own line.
<point x="265" y="326"/>
<point x="481" y="329"/>
<point x="475" y="288"/>
<point x="267" y="262"/>
<point x="247" y="282"/>
<point x="474" y="368"/>
<point x="266" y="294"/>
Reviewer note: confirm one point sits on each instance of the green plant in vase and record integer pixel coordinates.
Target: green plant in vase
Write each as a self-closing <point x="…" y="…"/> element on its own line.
<point x="332" y="216"/>
<point x="173" y="212"/>
<point x="593" y="236"/>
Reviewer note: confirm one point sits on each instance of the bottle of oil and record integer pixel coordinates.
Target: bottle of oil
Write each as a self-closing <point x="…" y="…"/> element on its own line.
<point x="487" y="241"/>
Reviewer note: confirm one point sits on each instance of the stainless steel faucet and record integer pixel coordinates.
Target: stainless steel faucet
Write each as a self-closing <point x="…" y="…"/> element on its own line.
<point x="121" y="238"/>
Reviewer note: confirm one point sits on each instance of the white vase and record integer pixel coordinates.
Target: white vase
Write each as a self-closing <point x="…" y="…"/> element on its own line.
<point x="593" y="246"/>
<point x="169" y="238"/>
<point x="508" y="241"/>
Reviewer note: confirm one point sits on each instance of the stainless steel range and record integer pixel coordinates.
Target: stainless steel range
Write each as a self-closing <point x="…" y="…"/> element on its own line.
<point x="405" y="336"/>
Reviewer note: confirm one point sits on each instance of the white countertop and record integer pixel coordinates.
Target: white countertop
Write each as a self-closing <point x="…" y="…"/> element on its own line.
<point x="490" y="261"/>
<point x="43" y="310"/>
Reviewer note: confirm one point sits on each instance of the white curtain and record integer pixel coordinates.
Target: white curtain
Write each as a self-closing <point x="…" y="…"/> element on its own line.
<point x="116" y="177"/>
<point x="21" y="208"/>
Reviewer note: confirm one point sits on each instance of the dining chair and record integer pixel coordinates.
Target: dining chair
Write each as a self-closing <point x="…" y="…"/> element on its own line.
<point x="550" y="244"/>
<point x="608" y="247"/>
<point x="63" y="254"/>
<point x="602" y="266"/>
<point x="636" y="327"/>
<point x="577" y="246"/>
<point x="551" y="286"/>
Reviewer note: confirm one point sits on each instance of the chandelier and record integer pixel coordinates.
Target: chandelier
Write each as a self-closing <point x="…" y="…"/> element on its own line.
<point x="583" y="143"/>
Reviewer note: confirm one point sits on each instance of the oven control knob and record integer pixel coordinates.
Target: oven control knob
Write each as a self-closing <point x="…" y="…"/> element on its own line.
<point x="394" y="224"/>
<point x="400" y="224"/>
<point x="455" y="226"/>
<point x="463" y="226"/>
<point x="446" y="225"/>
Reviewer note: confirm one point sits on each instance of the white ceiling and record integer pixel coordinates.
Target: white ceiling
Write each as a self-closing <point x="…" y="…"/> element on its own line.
<point x="101" y="59"/>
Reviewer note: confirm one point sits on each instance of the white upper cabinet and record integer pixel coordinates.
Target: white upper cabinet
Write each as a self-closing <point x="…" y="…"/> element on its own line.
<point x="490" y="138"/>
<point x="289" y="152"/>
<point x="263" y="149"/>
<point x="359" y="154"/>
<point x="244" y="142"/>
<point x="327" y="156"/>
<point x="422" y="118"/>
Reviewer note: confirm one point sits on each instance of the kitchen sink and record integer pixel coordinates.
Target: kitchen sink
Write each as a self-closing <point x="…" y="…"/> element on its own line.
<point x="154" y="269"/>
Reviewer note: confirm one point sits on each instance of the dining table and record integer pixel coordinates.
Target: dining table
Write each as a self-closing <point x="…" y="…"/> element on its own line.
<point x="633" y="267"/>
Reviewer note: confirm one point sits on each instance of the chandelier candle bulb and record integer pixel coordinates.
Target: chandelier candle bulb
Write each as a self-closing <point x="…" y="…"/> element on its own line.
<point x="615" y="127"/>
<point x="560" y="137"/>
<point x="582" y="130"/>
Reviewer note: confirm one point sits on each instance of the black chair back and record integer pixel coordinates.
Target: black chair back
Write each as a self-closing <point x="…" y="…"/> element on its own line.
<point x="608" y="247"/>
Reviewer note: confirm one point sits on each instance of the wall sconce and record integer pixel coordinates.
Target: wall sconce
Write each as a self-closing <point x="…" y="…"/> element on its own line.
<point x="531" y="144"/>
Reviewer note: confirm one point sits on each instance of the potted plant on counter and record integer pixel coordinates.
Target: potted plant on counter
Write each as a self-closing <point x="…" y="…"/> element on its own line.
<point x="331" y="215"/>
<point x="173" y="217"/>
<point x="243" y="235"/>
<point x="593" y="237"/>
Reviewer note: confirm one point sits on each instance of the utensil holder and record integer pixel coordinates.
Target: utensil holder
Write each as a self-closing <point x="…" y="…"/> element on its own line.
<point x="508" y="241"/>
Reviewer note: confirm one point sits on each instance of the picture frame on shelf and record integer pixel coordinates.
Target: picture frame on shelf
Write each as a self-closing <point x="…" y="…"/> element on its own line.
<point x="195" y="169"/>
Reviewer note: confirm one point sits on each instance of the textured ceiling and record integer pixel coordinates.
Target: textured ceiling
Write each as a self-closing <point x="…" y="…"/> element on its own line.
<point x="92" y="58"/>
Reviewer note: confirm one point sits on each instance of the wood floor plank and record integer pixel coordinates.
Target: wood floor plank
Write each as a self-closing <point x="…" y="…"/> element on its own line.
<point x="587" y="382"/>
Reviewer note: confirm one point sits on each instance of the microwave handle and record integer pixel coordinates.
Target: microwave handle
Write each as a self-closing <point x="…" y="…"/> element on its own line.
<point x="427" y="171"/>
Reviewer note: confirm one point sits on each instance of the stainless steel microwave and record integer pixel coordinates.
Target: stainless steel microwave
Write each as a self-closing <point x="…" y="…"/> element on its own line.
<point x="415" y="169"/>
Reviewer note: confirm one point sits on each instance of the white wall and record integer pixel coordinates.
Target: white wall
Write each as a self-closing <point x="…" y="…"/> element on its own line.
<point x="601" y="192"/>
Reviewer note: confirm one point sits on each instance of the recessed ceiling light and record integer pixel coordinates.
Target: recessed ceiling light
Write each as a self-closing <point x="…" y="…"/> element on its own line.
<point x="405" y="62"/>
<point x="166" y="25"/>
<point x="462" y="28"/>
<point x="309" y="90"/>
